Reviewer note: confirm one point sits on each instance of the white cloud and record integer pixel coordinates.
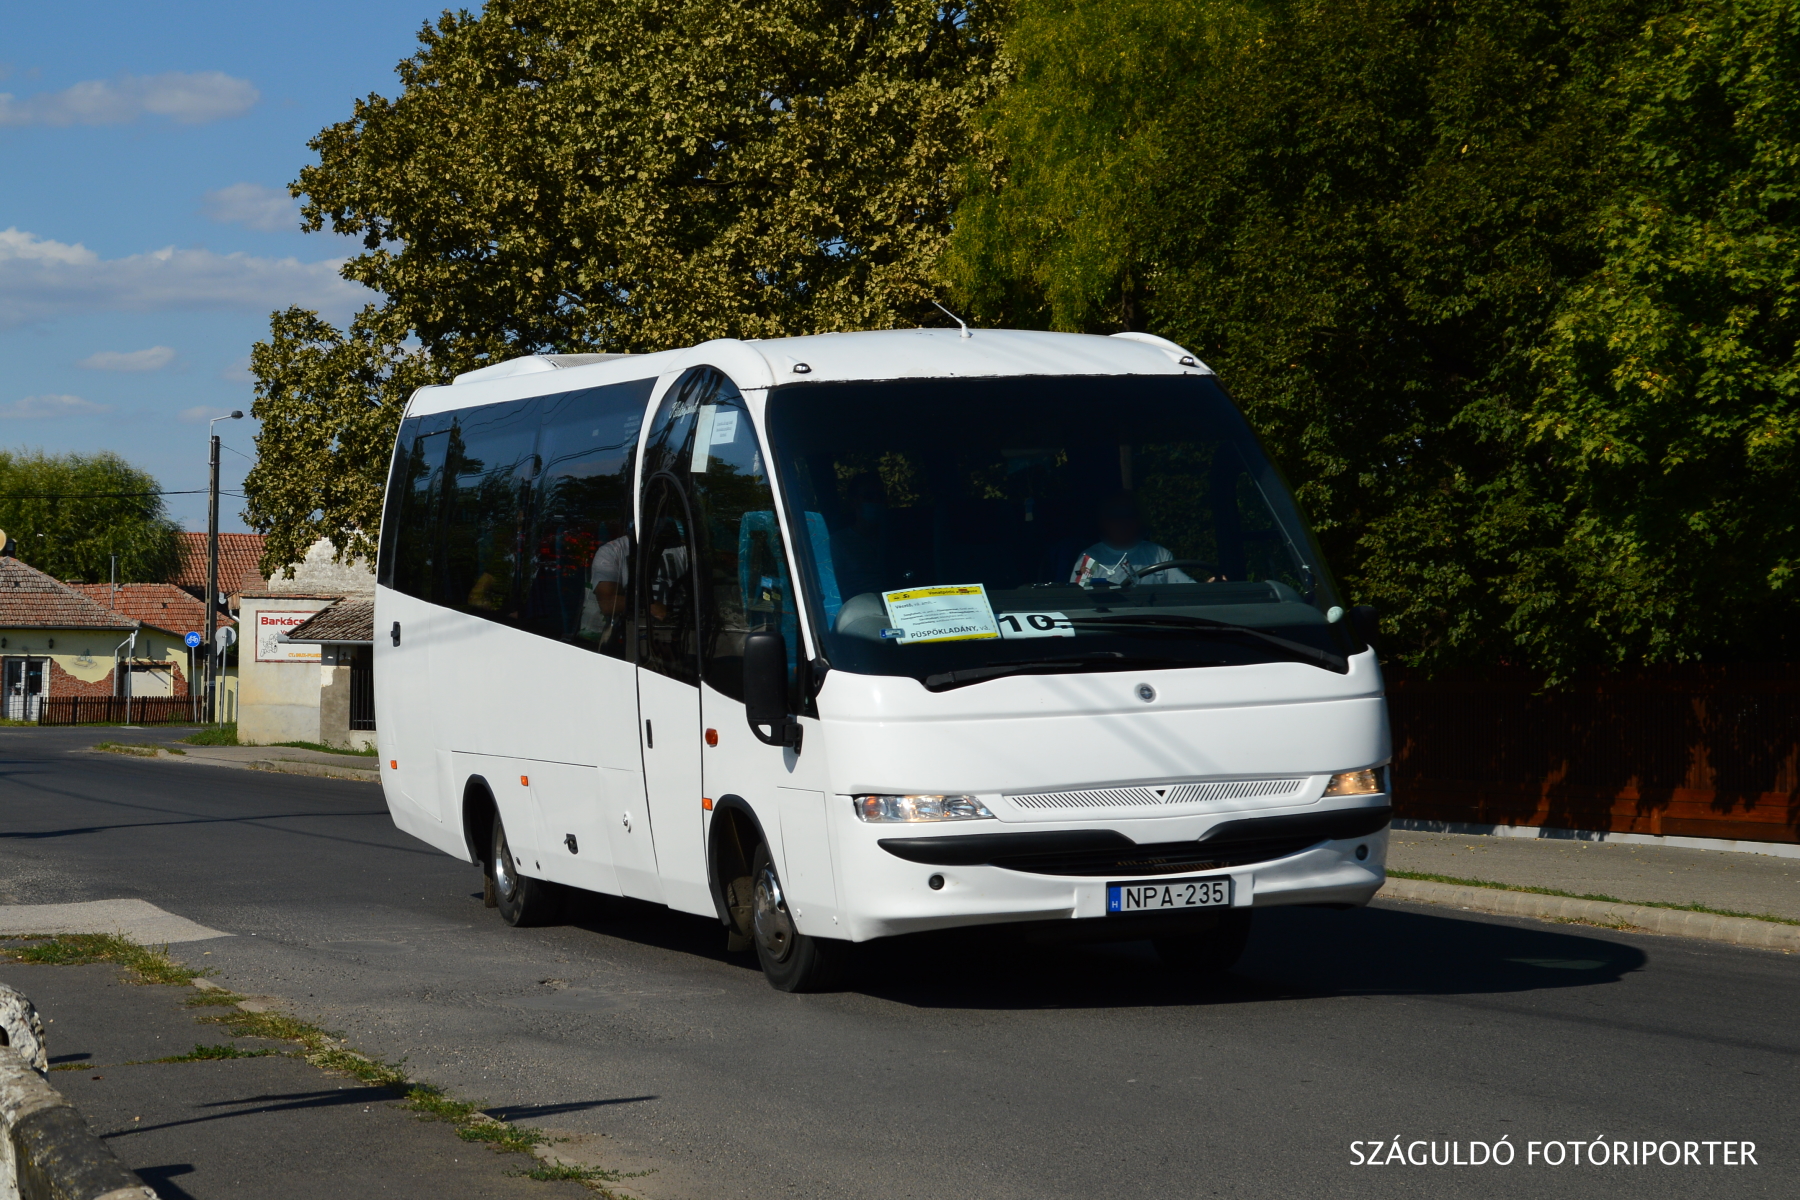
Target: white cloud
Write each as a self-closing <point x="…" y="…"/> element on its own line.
<point x="237" y="371"/>
<point x="191" y="99"/>
<point x="41" y="278"/>
<point x="200" y="414"/>
<point x="32" y="407"/>
<point x="254" y="205"/>
<point x="153" y="359"/>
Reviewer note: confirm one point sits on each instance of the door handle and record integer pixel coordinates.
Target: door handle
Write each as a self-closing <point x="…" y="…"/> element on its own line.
<point x="649" y="735"/>
<point x="395" y="633"/>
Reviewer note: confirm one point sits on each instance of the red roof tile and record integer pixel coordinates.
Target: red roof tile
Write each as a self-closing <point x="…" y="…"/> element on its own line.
<point x="238" y="556"/>
<point x="30" y="599"/>
<point x="160" y="604"/>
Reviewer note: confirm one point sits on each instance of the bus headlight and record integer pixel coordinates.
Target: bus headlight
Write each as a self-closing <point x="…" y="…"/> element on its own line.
<point x="1355" y="783"/>
<point x="921" y="808"/>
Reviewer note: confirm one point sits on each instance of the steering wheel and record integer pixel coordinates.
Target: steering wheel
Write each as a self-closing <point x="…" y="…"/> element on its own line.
<point x="1173" y="564"/>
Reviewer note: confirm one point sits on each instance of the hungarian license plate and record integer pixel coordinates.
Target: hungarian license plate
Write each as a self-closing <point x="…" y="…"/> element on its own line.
<point x="1167" y="894"/>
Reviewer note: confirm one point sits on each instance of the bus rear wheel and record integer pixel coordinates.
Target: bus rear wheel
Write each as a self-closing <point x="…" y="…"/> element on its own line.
<point x="1210" y="951"/>
<point x="520" y="899"/>
<point x="791" y="961"/>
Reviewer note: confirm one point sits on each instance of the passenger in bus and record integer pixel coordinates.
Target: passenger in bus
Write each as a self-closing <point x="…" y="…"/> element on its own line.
<point x="608" y="576"/>
<point x="1122" y="549"/>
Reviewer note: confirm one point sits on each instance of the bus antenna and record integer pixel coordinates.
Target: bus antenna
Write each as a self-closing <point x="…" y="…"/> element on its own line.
<point x="953" y="317"/>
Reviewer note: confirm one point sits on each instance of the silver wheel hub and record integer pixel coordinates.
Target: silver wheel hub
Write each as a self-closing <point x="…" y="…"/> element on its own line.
<point x="769" y="916"/>
<point x="504" y="882"/>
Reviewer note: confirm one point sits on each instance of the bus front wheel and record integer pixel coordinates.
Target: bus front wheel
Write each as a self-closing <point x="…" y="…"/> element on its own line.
<point x="520" y="899"/>
<point x="792" y="961"/>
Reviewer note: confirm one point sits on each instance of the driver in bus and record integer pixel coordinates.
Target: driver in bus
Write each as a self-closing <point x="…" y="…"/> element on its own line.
<point x="1122" y="550"/>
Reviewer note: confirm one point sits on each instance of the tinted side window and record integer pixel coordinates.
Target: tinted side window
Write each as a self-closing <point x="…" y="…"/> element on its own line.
<point x="665" y="584"/>
<point x="410" y="539"/>
<point x="489" y="467"/>
<point x="579" y="591"/>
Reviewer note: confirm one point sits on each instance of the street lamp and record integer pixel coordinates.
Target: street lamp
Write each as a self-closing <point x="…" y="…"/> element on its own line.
<point x="212" y="565"/>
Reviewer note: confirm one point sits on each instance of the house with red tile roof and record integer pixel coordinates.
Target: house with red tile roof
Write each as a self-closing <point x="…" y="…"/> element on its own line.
<point x="239" y="572"/>
<point x="56" y="640"/>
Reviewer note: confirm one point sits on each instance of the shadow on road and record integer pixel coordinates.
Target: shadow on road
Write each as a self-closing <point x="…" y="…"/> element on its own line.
<point x="1294" y="953"/>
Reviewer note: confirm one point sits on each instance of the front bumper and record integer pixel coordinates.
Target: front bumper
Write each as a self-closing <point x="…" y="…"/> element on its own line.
<point x="892" y="895"/>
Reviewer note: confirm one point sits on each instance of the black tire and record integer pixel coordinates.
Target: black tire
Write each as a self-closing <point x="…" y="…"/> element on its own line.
<point x="521" y="899"/>
<point x="1211" y="951"/>
<point x="791" y="961"/>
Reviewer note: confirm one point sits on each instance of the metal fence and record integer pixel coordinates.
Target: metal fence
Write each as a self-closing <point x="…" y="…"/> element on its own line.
<point x="111" y="710"/>
<point x="1697" y="752"/>
<point x="362" y="687"/>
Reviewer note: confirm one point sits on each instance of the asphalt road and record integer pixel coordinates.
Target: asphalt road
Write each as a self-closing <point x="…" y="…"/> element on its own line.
<point x="967" y="1067"/>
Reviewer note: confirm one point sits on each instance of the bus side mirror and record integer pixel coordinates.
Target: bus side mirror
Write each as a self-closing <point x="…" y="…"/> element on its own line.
<point x="766" y="689"/>
<point x="1363" y="619"/>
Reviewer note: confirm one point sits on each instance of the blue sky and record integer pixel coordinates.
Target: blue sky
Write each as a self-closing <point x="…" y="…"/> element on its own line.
<point x="145" y="230"/>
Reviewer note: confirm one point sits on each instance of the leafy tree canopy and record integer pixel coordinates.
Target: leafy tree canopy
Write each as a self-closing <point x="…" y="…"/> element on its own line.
<point x="1508" y="287"/>
<point x="69" y="514"/>
<point x="612" y="175"/>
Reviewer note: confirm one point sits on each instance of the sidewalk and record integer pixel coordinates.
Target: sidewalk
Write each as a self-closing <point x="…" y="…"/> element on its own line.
<point x="290" y="760"/>
<point x="272" y="1127"/>
<point x="1653" y="876"/>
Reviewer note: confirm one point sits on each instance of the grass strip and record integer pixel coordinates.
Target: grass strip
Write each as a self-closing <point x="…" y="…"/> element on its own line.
<point x="1544" y="891"/>
<point x="214" y="735"/>
<point x="588" y="1175"/>
<point x="146" y="964"/>
<point x="137" y="749"/>
<point x="324" y="1049"/>
<point x="202" y="1053"/>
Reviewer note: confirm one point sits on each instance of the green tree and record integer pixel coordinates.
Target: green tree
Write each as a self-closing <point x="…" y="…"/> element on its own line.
<point x="69" y="514"/>
<point x="614" y="175"/>
<point x="1441" y="251"/>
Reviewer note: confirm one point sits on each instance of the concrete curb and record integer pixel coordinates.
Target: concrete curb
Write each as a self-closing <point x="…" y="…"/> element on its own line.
<point x="47" y="1152"/>
<point x="1739" y="931"/>
<point x="284" y="767"/>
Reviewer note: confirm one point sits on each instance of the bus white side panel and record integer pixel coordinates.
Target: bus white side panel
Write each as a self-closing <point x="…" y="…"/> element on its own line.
<point x="403" y="708"/>
<point x="627" y="824"/>
<point x="806" y="874"/>
<point x="577" y="849"/>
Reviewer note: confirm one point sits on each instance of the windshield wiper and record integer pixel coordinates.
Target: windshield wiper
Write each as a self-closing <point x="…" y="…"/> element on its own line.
<point x="1100" y="659"/>
<point x="1335" y="662"/>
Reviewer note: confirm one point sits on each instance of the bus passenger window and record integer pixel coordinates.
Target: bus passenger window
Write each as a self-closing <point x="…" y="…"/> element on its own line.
<point x="580" y="590"/>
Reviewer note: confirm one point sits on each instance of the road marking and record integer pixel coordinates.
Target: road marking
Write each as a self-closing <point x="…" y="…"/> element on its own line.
<point x="138" y="920"/>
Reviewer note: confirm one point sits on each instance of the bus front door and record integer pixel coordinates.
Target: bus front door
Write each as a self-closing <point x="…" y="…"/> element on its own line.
<point x="669" y="696"/>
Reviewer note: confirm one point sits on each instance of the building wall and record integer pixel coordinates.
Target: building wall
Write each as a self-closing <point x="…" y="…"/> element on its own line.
<point x="334" y="702"/>
<point x="277" y="701"/>
<point x="81" y="660"/>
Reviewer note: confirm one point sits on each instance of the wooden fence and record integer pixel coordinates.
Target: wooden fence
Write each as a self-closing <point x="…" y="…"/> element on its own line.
<point x="1690" y="752"/>
<point x="110" y="710"/>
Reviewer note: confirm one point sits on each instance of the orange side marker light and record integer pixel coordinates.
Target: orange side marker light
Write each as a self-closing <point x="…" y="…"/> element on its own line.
<point x="524" y="781"/>
<point x="393" y="764"/>
<point x="706" y="803"/>
<point x="712" y="737"/>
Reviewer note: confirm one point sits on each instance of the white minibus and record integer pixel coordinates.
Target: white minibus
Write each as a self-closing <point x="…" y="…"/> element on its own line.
<point x="843" y="637"/>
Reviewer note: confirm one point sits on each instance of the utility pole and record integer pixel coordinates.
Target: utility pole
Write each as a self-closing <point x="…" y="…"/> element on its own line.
<point x="212" y="568"/>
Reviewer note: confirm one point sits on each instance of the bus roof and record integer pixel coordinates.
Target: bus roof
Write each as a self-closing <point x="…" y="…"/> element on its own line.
<point x="828" y="357"/>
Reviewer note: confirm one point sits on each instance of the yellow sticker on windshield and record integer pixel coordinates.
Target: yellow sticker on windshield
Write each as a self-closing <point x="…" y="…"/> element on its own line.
<point x="954" y="613"/>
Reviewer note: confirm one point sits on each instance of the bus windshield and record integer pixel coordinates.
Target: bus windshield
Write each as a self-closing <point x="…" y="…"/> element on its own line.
<point x="964" y="530"/>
